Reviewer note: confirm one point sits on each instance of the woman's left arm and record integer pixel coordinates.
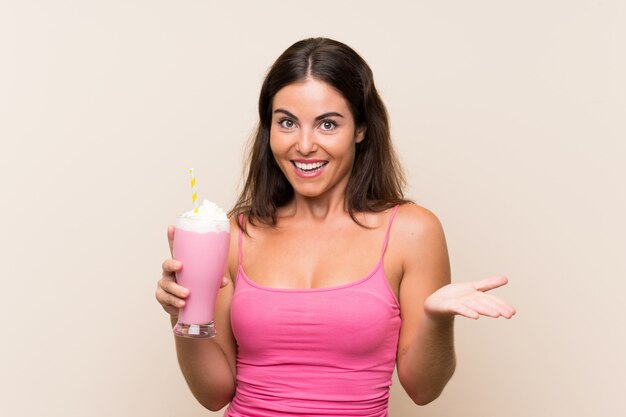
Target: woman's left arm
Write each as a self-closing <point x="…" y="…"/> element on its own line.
<point x="429" y="303"/>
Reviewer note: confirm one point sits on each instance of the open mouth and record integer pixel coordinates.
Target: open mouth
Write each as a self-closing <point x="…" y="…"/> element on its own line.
<point x="310" y="167"/>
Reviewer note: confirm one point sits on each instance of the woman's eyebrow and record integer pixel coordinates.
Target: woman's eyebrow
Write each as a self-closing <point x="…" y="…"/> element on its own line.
<point x="329" y="114"/>
<point x="320" y="117"/>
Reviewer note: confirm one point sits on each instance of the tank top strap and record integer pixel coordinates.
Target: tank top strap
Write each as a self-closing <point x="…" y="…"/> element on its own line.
<point x="240" y="237"/>
<point x="393" y="214"/>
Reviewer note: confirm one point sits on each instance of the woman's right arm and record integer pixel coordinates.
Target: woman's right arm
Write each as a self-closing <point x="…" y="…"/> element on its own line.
<point x="208" y="365"/>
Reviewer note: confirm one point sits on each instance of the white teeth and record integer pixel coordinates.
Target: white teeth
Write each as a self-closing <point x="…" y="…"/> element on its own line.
<point x="309" y="167"/>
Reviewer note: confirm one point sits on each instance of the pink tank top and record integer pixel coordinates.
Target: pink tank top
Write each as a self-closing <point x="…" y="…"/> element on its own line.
<point x="315" y="352"/>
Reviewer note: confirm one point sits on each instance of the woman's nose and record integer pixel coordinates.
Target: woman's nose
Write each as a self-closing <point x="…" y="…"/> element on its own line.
<point x="306" y="142"/>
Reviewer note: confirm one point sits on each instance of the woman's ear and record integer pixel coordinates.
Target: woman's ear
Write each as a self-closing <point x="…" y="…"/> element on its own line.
<point x="360" y="134"/>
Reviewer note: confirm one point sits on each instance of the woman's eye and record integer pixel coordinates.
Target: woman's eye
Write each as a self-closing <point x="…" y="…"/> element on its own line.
<point x="328" y="125"/>
<point x="286" y="123"/>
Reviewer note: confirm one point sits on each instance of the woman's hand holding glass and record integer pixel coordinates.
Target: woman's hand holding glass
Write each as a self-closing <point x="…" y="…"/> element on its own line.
<point x="169" y="293"/>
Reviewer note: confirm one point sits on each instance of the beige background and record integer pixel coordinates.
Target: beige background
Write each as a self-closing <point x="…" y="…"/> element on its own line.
<point x="508" y="116"/>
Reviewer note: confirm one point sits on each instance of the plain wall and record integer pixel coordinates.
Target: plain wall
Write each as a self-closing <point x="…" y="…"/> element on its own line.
<point x="509" y="119"/>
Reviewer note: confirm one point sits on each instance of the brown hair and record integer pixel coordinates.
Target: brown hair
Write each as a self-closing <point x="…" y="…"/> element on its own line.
<point x="376" y="182"/>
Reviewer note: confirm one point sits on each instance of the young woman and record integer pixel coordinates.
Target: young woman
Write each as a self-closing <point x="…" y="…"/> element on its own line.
<point x="333" y="277"/>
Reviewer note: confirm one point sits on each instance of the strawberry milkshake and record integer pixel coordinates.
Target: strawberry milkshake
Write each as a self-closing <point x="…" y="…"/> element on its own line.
<point x="201" y="243"/>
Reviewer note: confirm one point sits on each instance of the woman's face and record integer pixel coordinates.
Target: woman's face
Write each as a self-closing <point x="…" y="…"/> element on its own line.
<point x="313" y="137"/>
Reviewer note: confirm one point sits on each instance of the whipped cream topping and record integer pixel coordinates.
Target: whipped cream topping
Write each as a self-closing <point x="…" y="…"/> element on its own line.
<point x="209" y="218"/>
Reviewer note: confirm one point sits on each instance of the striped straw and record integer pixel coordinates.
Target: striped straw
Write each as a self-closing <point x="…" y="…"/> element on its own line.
<point x="194" y="196"/>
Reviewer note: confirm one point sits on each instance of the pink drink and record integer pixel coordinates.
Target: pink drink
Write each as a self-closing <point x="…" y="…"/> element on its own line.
<point x="201" y="244"/>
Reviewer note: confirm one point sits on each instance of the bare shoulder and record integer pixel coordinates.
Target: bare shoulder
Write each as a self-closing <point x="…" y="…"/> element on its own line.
<point x="233" y="250"/>
<point x="234" y="225"/>
<point x="423" y="248"/>
<point x="416" y="224"/>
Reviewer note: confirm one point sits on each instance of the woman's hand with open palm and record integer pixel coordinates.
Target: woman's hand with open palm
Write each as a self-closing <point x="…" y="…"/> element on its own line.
<point x="468" y="299"/>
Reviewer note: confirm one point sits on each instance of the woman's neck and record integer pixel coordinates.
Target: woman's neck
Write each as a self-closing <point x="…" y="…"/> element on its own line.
<point x="314" y="209"/>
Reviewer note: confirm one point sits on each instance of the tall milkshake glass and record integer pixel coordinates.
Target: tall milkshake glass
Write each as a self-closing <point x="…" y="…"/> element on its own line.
<point x="201" y="243"/>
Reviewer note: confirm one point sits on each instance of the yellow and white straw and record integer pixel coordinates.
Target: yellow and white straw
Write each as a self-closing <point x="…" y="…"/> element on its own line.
<point x="194" y="196"/>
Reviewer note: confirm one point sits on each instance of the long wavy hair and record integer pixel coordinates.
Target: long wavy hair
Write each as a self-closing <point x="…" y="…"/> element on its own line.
<point x="376" y="182"/>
